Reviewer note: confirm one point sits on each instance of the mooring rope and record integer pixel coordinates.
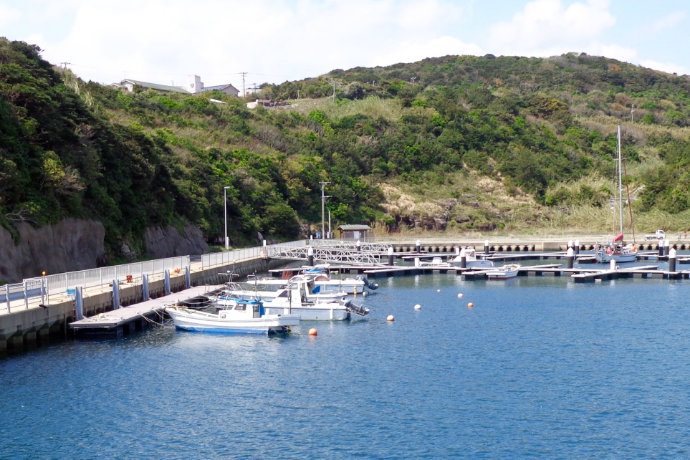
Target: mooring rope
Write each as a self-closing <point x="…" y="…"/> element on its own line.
<point x="152" y="321"/>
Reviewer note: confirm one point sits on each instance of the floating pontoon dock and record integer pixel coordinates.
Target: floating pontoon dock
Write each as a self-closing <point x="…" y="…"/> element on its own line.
<point x="130" y="318"/>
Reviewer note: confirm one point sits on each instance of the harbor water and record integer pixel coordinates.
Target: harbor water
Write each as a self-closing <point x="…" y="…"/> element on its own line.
<point x="539" y="367"/>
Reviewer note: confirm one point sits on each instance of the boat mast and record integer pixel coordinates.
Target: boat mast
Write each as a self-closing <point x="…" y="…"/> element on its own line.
<point x="620" y="182"/>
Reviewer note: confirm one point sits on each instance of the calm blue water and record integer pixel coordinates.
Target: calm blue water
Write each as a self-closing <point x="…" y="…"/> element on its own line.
<point x="540" y="367"/>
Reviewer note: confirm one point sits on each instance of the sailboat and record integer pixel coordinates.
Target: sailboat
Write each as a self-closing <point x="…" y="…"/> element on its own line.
<point x="616" y="250"/>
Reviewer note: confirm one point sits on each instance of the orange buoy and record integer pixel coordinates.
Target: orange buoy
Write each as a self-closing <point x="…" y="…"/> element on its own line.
<point x="313" y="331"/>
<point x="390" y="318"/>
<point x="470" y="305"/>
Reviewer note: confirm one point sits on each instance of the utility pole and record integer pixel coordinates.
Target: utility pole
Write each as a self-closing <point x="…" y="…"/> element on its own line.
<point x="65" y="64"/>
<point x="244" y="92"/>
<point x="323" y="205"/>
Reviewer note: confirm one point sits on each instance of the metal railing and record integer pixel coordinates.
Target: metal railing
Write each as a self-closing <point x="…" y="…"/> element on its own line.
<point x="215" y="259"/>
<point x="39" y="289"/>
<point x="345" y="251"/>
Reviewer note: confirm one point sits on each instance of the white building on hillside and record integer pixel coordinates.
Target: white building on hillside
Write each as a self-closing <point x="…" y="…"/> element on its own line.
<point x="194" y="86"/>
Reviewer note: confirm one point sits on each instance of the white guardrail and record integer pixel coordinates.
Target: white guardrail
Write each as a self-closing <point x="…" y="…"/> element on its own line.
<point x="40" y="288"/>
<point x="215" y="259"/>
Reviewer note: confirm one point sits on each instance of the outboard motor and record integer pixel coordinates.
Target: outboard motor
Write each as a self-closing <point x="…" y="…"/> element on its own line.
<point x="367" y="283"/>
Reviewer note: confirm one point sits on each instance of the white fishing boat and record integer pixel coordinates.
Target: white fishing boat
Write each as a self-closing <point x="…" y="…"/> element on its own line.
<point x="471" y="259"/>
<point x="605" y="253"/>
<point x="254" y="289"/>
<point x="616" y="249"/>
<point x="245" y="317"/>
<point x="296" y="299"/>
<point x="323" y="280"/>
<point x="503" y="272"/>
<point x="436" y="262"/>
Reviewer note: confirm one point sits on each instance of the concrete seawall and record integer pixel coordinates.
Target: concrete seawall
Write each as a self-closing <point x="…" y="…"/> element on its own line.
<point x="27" y="328"/>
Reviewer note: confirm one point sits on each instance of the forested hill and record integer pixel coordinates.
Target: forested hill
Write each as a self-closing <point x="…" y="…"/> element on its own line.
<point x="457" y="143"/>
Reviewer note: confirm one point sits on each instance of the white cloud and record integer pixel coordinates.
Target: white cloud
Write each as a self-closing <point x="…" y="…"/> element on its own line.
<point x="412" y="51"/>
<point x="667" y="67"/>
<point x="667" y="22"/>
<point x="9" y="15"/>
<point x="273" y="40"/>
<point x="277" y="40"/>
<point x="618" y="52"/>
<point x="547" y="27"/>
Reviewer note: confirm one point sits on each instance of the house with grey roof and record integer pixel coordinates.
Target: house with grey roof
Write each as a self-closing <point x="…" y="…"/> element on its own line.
<point x="353" y="231"/>
<point x="194" y="86"/>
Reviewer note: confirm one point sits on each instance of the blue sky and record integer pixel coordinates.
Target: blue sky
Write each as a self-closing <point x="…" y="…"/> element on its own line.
<point x="164" y="41"/>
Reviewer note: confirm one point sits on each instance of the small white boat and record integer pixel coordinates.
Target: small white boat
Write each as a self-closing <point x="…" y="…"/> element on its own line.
<point x="605" y="253"/>
<point x="245" y="317"/>
<point x="471" y="259"/>
<point x="436" y="262"/>
<point x="504" y="272"/>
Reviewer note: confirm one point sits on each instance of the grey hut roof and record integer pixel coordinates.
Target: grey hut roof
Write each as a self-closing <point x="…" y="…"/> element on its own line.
<point x="156" y="86"/>
<point x="354" y="227"/>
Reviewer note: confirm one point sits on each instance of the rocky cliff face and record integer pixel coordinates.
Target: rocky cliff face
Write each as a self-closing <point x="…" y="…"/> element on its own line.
<point x="168" y="242"/>
<point x="74" y="244"/>
<point x="67" y="246"/>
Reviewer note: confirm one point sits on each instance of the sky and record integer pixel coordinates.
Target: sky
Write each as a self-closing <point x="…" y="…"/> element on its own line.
<point x="271" y="41"/>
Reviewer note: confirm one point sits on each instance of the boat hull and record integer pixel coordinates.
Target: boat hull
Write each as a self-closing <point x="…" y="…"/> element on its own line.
<point x="190" y="320"/>
<point x="311" y="313"/>
<point x="620" y="256"/>
<point x="503" y="273"/>
<point x="606" y="258"/>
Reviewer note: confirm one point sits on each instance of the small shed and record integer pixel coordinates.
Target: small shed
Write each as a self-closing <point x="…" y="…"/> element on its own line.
<point x="353" y="232"/>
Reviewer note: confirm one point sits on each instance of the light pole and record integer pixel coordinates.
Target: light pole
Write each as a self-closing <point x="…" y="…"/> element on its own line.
<point x="225" y="213"/>
<point x="329" y="224"/>
<point x="323" y="203"/>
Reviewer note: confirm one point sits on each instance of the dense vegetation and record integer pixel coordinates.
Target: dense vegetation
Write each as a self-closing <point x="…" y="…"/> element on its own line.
<point x="542" y="129"/>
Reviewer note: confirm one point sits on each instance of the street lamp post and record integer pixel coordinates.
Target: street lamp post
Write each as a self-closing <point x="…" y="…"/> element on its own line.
<point x="323" y="202"/>
<point x="225" y="213"/>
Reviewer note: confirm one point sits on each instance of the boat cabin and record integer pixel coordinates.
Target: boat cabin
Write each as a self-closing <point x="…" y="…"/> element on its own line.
<point x="243" y="308"/>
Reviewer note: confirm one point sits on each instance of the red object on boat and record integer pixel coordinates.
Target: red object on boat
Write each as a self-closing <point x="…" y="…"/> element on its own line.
<point x="618" y="237"/>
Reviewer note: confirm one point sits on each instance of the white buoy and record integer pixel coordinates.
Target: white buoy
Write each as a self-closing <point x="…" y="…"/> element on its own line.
<point x="417" y="307"/>
<point x="460" y="295"/>
<point x="438" y="290"/>
<point x="390" y="318"/>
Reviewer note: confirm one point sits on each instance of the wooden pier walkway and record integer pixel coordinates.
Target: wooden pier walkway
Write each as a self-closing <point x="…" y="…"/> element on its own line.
<point x="131" y="316"/>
